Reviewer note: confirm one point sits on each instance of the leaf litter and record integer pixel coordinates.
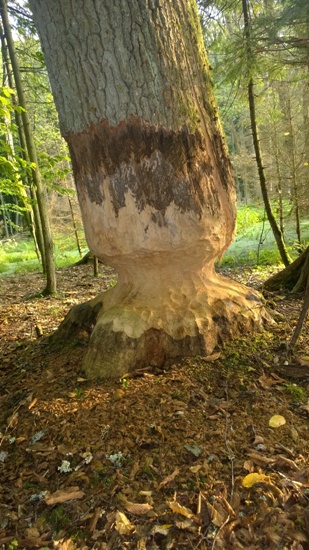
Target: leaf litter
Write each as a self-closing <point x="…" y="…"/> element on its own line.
<point x="182" y="458"/>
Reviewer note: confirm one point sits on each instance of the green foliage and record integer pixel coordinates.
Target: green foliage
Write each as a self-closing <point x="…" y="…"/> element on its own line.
<point x="248" y="217"/>
<point x="13" y="167"/>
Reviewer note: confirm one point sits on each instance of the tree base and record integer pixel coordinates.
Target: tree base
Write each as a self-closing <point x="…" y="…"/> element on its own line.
<point x="147" y="322"/>
<point x="137" y="335"/>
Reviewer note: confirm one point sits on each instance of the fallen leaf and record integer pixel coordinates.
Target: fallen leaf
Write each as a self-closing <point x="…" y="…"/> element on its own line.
<point x="161" y="529"/>
<point x="169" y="478"/>
<point x="194" y="449"/>
<point x="276" y="421"/>
<point x="266" y="382"/>
<point x="123" y="524"/>
<point x="212" y="358"/>
<point x="248" y="465"/>
<point x="217" y="518"/>
<point x="187" y="524"/>
<point x="182" y="510"/>
<point x="260" y="460"/>
<point x="251" y="479"/>
<point x="196" y="468"/>
<point x="137" y="509"/>
<point x="63" y="495"/>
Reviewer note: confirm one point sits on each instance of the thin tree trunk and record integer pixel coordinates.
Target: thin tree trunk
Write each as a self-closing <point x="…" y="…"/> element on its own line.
<point x="75" y="227"/>
<point x="95" y="266"/>
<point x="51" y="284"/>
<point x="272" y="221"/>
<point x="5" y="225"/>
<point x="291" y="143"/>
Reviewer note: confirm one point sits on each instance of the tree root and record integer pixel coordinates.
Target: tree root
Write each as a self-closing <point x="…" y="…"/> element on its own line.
<point x="293" y="278"/>
<point x="77" y="324"/>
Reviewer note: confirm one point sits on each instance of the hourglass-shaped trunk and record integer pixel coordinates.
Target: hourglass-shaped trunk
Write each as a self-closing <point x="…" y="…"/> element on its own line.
<point x="131" y="84"/>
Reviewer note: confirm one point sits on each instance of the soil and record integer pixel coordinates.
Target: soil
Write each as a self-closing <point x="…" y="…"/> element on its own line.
<point x="210" y="454"/>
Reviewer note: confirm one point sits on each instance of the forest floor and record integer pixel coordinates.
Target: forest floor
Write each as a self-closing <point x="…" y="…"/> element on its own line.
<point x="183" y="458"/>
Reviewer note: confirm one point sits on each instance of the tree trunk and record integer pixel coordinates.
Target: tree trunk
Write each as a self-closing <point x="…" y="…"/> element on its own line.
<point x="75" y="227"/>
<point x="132" y="88"/>
<point x="51" y="285"/>
<point x="258" y="155"/>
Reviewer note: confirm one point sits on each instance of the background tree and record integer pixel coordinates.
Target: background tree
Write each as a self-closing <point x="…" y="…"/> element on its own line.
<point x="278" y="66"/>
<point x="131" y="85"/>
<point x="48" y="258"/>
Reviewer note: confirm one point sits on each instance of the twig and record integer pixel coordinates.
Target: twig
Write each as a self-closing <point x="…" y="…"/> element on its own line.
<point x="219" y="531"/>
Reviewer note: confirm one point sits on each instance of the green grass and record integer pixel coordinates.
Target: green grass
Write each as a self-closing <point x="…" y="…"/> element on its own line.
<point x="18" y="255"/>
<point x="245" y="249"/>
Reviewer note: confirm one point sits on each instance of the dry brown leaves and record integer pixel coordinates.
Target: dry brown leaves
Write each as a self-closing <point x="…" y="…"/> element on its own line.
<point x="158" y="460"/>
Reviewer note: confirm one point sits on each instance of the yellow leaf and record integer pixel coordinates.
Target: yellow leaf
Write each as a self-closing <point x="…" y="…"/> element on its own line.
<point x="252" y="479"/>
<point x="123" y="525"/>
<point x="276" y="421"/>
<point x="182" y="510"/>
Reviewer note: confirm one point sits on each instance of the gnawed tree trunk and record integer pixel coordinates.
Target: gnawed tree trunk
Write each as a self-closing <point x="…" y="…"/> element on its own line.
<point x="131" y="85"/>
<point x="293" y="278"/>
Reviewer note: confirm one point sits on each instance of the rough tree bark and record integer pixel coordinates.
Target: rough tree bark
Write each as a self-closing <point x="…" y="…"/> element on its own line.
<point x="131" y="84"/>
